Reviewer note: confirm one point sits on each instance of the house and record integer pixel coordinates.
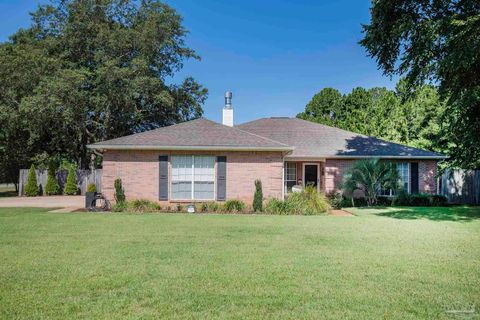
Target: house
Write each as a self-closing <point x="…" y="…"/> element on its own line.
<point x="201" y="160"/>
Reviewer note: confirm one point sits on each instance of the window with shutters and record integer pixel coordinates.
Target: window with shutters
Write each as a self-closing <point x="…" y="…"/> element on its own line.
<point x="193" y="177"/>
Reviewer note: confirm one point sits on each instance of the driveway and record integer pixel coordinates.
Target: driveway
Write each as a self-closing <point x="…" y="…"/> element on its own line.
<point x="44" y="202"/>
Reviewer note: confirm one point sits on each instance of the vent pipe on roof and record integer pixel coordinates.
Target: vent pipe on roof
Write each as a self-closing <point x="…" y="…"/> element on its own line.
<point x="228" y="110"/>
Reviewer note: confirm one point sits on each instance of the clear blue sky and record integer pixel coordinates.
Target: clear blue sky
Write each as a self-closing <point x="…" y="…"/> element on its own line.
<point x="273" y="55"/>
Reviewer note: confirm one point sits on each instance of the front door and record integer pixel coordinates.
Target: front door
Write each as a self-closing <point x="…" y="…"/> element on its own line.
<point x="311" y="175"/>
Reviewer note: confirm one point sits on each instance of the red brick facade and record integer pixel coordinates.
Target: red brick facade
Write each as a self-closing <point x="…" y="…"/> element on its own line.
<point x="335" y="168"/>
<point x="139" y="171"/>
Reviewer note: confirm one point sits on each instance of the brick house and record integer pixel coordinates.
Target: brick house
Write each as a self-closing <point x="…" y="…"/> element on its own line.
<point x="201" y="160"/>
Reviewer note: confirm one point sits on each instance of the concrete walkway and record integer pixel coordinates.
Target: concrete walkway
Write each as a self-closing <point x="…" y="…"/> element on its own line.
<point x="71" y="202"/>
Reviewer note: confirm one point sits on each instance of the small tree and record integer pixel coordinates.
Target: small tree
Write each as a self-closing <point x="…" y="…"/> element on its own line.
<point x="119" y="191"/>
<point x="31" y="188"/>
<point x="71" y="185"/>
<point x="52" y="187"/>
<point x="371" y="176"/>
<point x="258" y="197"/>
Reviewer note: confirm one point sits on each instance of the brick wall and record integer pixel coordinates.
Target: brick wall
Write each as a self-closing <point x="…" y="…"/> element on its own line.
<point x="335" y="168"/>
<point x="139" y="173"/>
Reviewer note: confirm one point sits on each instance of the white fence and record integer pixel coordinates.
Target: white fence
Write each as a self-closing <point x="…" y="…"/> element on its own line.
<point x="84" y="177"/>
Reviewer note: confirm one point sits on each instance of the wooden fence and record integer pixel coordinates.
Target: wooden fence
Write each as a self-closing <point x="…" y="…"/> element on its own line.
<point x="84" y="177"/>
<point x="461" y="186"/>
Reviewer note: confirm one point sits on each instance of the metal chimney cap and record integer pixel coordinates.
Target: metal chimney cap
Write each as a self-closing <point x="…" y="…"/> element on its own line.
<point x="228" y="94"/>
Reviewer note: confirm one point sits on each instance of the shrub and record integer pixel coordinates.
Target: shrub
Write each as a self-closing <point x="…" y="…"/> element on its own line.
<point x="275" y="206"/>
<point x="234" y="206"/>
<point x="31" y="188"/>
<point x="385" y="201"/>
<point x="308" y="202"/>
<point x="143" y="205"/>
<point x="213" y="207"/>
<point x="336" y="200"/>
<point x="420" y="200"/>
<point x="258" y="197"/>
<point x="52" y="187"/>
<point x="119" y="191"/>
<point x="71" y="185"/>
<point x="91" y="187"/>
<point x="119" y="207"/>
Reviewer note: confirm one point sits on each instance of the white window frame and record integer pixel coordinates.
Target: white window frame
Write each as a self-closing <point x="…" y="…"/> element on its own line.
<point x="192" y="179"/>
<point x="285" y="175"/>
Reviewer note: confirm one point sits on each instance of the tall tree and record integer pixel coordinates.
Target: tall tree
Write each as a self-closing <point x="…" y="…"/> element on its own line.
<point x="435" y="41"/>
<point x="92" y="70"/>
<point x="325" y="107"/>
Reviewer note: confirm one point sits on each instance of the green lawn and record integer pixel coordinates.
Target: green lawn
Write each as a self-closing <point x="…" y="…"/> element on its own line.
<point x="378" y="264"/>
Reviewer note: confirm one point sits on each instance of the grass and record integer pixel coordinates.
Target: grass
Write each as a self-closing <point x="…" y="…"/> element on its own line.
<point x="110" y="266"/>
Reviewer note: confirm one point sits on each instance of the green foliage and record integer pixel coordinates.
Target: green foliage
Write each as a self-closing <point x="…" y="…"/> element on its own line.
<point x="91" y="187"/>
<point x="120" y="207"/>
<point x="412" y="118"/>
<point x="52" y="187"/>
<point x="258" y="197"/>
<point x="307" y="202"/>
<point x="234" y="206"/>
<point x="119" y="191"/>
<point x="370" y="176"/>
<point x="71" y="185"/>
<point x="420" y="200"/>
<point x="86" y="71"/>
<point x="336" y="200"/>
<point x="434" y="42"/>
<point x="31" y="187"/>
<point x="143" y="205"/>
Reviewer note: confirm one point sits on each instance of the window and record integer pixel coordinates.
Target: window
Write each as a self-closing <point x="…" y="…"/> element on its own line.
<point x="193" y="178"/>
<point x="290" y="173"/>
<point x="403" y="169"/>
<point x="404" y="172"/>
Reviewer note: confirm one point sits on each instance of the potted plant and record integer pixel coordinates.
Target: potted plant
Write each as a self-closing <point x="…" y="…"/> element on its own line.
<point x="90" y="195"/>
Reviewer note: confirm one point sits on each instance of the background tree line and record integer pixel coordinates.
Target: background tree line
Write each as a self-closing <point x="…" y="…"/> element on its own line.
<point x="415" y="119"/>
<point x="86" y="71"/>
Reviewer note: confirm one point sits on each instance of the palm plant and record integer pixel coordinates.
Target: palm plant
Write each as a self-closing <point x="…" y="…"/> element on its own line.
<point x="371" y="176"/>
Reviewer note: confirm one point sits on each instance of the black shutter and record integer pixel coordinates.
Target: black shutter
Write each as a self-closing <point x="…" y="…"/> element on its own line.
<point x="163" y="178"/>
<point x="221" y="178"/>
<point x="414" y="177"/>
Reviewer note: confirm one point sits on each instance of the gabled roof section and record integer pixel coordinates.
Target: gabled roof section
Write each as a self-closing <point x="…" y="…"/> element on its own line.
<point x="316" y="140"/>
<point x="199" y="134"/>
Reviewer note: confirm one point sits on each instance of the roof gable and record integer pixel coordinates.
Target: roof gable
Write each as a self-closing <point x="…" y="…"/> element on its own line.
<point x="316" y="140"/>
<point x="199" y="134"/>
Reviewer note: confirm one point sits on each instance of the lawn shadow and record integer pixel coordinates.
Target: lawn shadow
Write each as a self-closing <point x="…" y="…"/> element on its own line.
<point x="453" y="213"/>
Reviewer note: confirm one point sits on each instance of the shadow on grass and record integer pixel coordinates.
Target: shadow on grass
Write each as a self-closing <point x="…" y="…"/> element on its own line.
<point x="8" y="193"/>
<point x="433" y="213"/>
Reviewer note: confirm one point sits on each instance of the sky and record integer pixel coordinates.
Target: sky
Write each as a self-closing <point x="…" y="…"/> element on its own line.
<point x="273" y="55"/>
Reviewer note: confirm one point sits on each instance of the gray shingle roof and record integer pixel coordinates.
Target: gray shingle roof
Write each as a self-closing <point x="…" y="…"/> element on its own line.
<point x="317" y="140"/>
<point x="199" y="134"/>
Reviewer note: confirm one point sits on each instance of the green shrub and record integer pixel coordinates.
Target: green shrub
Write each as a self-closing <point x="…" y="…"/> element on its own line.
<point x="52" y="187"/>
<point x="120" y="207"/>
<point x="385" y="201"/>
<point x="213" y="207"/>
<point x="275" y="206"/>
<point x="420" y="200"/>
<point x="71" y="185"/>
<point x="234" y="206"/>
<point x="31" y="188"/>
<point x="91" y="187"/>
<point x="336" y="200"/>
<point x="119" y="191"/>
<point x="308" y="202"/>
<point x="258" y="197"/>
<point x="143" y="205"/>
